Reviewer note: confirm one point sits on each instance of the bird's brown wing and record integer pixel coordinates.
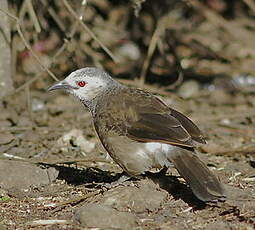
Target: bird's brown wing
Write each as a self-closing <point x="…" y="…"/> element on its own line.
<point x="157" y="122"/>
<point x="145" y="118"/>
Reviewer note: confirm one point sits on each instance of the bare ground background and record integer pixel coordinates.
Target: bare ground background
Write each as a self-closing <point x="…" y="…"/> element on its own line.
<point x="197" y="55"/>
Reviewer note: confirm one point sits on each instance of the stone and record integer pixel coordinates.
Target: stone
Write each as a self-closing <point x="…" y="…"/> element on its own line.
<point x="21" y="175"/>
<point x="6" y="138"/>
<point x="105" y="217"/>
<point x="188" y="89"/>
<point x="146" y="197"/>
<point x="76" y="137"/>
<point x="2" y="227"/>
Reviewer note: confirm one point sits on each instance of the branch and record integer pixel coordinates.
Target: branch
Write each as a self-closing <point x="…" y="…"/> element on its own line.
<point x="91" y="33"/>
<point x="28" y="45"/>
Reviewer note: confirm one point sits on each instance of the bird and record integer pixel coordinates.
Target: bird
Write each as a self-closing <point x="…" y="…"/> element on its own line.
<point x="140" y="132"/>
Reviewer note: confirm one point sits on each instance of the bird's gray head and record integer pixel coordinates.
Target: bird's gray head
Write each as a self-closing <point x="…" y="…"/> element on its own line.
<point x="86" y="84"/>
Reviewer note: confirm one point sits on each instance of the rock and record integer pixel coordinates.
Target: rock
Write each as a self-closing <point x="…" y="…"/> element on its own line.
<point x="2" y="227"/>
<point x="17" y="174"/>
<point x="5" y="123"/>
<point x="6" y="138"/>
<point x="239" y="197"/>
<point x="37" y="105"/>
<point x="105" y="217"/>
<point x="220" y="225"/>
<point x="30" y="136"/>
<point x="24" y="121"/>
<point x="42" y="120"/>
<point x="30" y="64"/>
<point x="76" y="138"/>
<point x="220" y="97"/>
<point x="146" y="197"/>
<point x="127" y="51"/>
<point x="8" y="116"/>
<point x="4" y="113"/>
<point x="211" y="147"/>
<point x="188" y="89"/>
<point x="3" y="193"/>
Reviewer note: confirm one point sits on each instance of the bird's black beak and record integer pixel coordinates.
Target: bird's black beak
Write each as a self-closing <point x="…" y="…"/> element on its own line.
<point x="61" y="85"/>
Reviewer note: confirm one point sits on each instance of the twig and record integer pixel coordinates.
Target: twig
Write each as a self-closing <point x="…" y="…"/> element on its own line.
<point x="15" y="128"/>
<point x="152" y="89"/>
<point x="160" y="28"/>
<point x="28" y="7"/>
<point x="29" y="82"/>
<point x="89" y="31"/>
<point x="58" y="162"/>
<point x="71" y="161"/>
<point x="250" y="4"/>
<point x="239" y="128"/>
<point x="232" y="115"/>
<point x="28" y="45"/>
<point x="218" y="20"/>
<point x="29" y="102"/>
<point x="34" y="54"/>
<point x="151" y="49"/>
<point x="62" y="48"/>
<point x="14" y="48"/>
<point x="54" y="15"/>
<point x="33" y="16"/>
<point x="230" y="152"/>
<point x="76" y="200"/>
<point x="179" y="68"/>
<point x="38" y="75"/>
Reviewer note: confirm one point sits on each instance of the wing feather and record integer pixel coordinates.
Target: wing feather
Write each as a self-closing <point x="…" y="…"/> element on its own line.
<point x="145" y="118"/>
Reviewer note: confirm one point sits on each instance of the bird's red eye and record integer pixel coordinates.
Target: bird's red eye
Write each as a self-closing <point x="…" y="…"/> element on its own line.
<point x="81" y="83"/>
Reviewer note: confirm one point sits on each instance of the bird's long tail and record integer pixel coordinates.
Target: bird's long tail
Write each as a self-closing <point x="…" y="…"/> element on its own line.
<point x="204" y="184"/>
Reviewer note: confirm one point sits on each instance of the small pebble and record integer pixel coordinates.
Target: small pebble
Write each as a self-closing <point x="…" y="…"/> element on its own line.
<point x="188" y="89"/>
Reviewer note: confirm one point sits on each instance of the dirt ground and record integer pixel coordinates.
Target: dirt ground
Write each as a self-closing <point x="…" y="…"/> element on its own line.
<point x="51" y="136"/>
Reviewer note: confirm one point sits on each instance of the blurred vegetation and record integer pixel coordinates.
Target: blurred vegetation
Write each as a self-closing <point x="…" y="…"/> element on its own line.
<point x="162" y="42"/>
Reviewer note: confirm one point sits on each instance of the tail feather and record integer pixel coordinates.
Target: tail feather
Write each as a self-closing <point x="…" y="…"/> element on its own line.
<point x="204" y="184"/>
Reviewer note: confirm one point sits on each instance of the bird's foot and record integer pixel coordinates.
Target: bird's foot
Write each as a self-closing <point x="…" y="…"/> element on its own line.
<point x="123" y="178"/>
<point x="163" y="171"/>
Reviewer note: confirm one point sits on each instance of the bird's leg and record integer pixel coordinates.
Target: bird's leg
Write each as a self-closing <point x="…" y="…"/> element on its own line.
<point x="160" y="173"/>
<point x="123" y="178"/>
<point x="163" y="171"/>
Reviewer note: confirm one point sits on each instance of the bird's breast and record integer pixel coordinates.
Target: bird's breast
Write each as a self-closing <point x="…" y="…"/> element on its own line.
<point x="137" y="157"/>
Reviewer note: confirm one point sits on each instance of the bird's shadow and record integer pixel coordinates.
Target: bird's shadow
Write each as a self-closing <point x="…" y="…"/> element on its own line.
<point x="91" y="177"/>
<point x="177" y="189"/>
